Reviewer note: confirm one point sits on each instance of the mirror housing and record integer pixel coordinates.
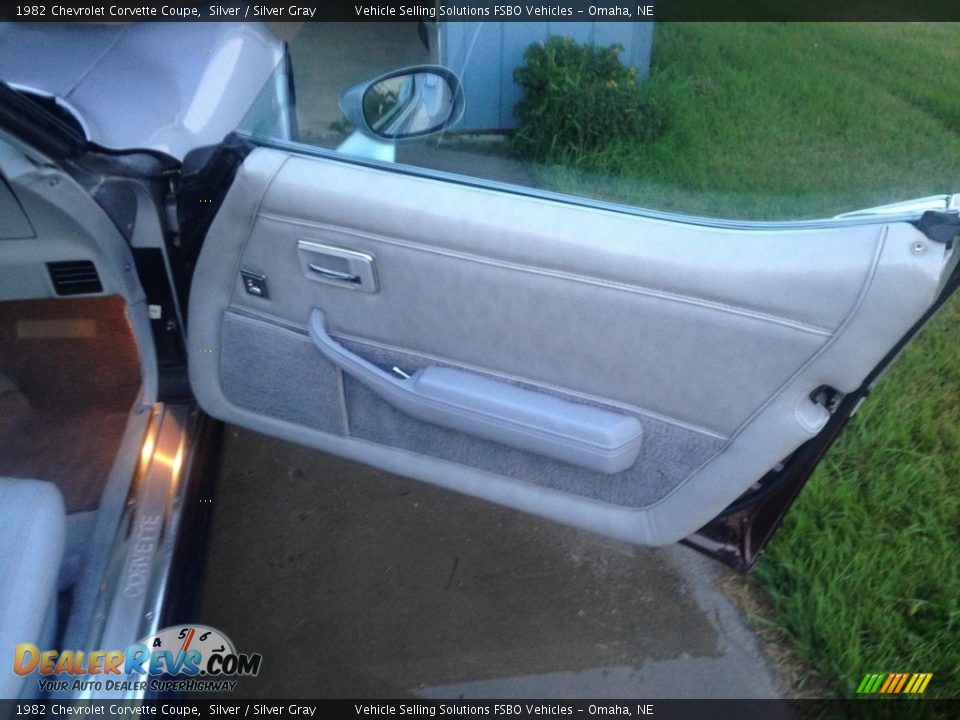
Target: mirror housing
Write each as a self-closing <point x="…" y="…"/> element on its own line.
<point x="405" y="104"/>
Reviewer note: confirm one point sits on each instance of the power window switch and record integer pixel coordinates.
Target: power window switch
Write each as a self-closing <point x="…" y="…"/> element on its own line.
<point x="255" y="284"/>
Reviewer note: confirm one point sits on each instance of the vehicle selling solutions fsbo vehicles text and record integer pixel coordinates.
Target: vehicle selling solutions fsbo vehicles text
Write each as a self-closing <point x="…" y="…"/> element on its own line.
<point x="521" y="11"/>
<point x="504" y="709"/>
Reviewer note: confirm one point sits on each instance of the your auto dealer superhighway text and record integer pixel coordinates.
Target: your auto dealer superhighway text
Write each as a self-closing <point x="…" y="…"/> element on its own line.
<point x="146" y="11"/>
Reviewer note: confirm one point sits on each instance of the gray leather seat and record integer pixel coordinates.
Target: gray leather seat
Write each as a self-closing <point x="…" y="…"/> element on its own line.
<point x="32" y="541"/>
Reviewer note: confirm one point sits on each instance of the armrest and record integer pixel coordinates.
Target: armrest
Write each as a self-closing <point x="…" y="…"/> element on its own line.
<point x="579" y="434"/>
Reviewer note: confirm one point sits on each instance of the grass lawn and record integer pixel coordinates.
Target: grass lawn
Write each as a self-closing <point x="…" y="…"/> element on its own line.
<point x="798" y="120"/>
<point x="793" y="120"/>
<point x="788" y="120"/>
<point x="864" y="574"/>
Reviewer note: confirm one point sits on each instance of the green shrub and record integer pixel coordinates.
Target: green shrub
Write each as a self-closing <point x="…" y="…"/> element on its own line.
<point x="578" y="99"/>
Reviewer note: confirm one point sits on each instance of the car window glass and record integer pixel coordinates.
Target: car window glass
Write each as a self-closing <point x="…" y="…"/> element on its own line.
<point x="737" y="120"/>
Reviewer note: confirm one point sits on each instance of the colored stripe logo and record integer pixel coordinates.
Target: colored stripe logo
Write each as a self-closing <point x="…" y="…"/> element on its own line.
<point x="894" y="683"/>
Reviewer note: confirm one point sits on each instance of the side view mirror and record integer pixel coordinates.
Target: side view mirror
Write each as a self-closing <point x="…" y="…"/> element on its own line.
<point x="405" y="104"/>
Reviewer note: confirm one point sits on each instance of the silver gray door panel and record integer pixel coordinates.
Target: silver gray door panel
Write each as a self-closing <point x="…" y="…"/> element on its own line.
<point x="713" y="339"/>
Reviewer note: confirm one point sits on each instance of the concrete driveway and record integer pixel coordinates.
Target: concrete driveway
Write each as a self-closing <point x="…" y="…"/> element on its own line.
<point x="356" y="583"/>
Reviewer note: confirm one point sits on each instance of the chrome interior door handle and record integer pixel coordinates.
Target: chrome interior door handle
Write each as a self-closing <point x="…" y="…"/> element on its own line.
<point x="337" y="266"/>
<point x="334" y="274"/>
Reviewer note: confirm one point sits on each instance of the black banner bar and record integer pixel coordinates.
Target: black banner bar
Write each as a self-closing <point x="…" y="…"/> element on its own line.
<point x="510" y="709"/>
<point x="485" y="11"/>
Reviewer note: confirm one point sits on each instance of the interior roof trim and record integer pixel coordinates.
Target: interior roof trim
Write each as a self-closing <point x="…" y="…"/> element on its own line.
<point x="581" y="201"/>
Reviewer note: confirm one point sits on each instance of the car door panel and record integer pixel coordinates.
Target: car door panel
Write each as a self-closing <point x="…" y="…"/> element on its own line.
<point x="561" y="331"/>
<point x="712" y="339"/>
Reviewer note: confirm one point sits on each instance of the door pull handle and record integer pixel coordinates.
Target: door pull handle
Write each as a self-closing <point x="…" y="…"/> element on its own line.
<point x="334" y="274"/>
